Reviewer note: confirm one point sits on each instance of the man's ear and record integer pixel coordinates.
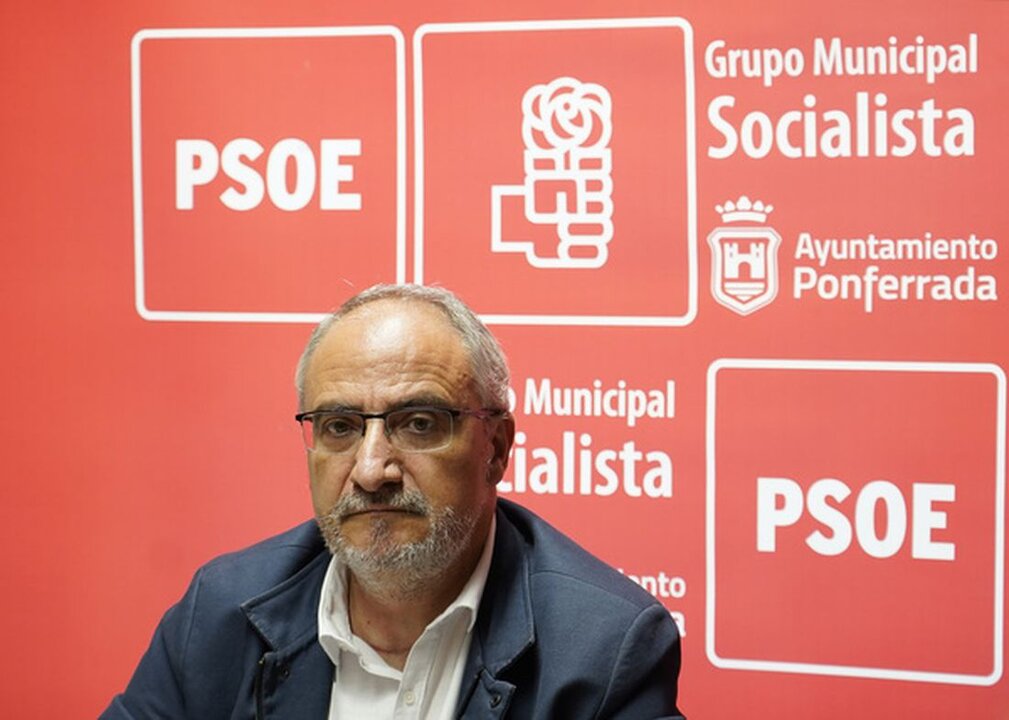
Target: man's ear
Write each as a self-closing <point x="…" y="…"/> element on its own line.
<point x="501" y="439"/>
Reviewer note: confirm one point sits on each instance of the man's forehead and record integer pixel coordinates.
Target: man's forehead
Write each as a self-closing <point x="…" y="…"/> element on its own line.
<point x="399" y="346"/>
<point x="392" y="325"/>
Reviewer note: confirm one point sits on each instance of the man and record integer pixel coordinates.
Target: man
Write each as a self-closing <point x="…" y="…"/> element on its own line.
<point x="434" y="599"/>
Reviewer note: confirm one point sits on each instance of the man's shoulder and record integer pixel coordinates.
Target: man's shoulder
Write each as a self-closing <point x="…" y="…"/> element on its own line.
<point x="561" y="569"/>
<point x="246" y="573"/>
<point x="596" y="643"/>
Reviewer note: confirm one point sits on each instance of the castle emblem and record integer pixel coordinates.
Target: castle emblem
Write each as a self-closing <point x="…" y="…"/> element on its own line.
<point x="744" y="256"/>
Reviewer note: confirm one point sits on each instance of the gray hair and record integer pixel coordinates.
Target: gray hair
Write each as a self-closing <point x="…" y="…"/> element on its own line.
<point x="487" y="359"/>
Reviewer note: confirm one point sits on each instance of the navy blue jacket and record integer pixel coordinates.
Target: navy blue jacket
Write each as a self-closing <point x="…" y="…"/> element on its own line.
<point x="559" y="635"/>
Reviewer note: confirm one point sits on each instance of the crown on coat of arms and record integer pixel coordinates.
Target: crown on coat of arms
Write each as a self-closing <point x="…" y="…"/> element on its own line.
<point x="742" y="210"/>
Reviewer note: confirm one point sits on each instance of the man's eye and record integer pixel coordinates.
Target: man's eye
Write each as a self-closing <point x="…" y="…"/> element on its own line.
<point x="339" y="427"/>
<point x="418" y="423"/>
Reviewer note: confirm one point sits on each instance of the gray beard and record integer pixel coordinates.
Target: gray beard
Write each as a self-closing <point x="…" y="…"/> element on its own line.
<point x="390" y="569"/>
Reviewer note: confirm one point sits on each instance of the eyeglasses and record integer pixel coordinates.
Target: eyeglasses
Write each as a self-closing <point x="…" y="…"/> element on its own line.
<point x="410" y="430"/>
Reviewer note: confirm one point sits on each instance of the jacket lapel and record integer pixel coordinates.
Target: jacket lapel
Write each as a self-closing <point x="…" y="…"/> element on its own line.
<point x="504" y="629"/>
<point x="294" y="678"/>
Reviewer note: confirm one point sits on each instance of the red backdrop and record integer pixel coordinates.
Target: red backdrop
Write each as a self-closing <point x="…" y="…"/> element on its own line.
<point x="787" y="422"/>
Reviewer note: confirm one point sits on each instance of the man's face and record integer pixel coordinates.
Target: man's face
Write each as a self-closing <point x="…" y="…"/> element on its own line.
<point x="390" y="510"/>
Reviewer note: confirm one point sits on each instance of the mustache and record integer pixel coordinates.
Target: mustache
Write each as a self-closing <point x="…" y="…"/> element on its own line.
<point x="391" y="498"/>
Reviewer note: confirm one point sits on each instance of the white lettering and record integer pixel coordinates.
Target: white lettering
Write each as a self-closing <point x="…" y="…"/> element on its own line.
<point x="863" y="130"/>
<point x="582" y="469"/>
<point x="771" y="514"/>
<point x="196" y="163"/>
<point x="290" y="175"/>
<point x="880" y="516"/>
<point x="334" y="172"/>
<point x="245" y="175"/>
<point x="927" y="520"/>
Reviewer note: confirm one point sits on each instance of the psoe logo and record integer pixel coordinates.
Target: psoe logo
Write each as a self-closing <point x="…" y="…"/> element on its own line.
<point x="566" y="129"/>
<point x="744" y="258"/>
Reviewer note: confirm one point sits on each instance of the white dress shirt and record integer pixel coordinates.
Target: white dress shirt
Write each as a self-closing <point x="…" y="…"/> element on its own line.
<point x="365" y="687"/>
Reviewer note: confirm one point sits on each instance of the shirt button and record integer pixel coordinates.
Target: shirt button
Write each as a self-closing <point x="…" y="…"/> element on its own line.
<point x="409" y="698"/>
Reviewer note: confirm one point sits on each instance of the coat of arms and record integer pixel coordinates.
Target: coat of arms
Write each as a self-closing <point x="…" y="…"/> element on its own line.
<point x="744" y="256"/>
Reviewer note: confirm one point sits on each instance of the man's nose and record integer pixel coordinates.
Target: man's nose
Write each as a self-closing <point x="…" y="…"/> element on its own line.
<point x="374" y="461"/>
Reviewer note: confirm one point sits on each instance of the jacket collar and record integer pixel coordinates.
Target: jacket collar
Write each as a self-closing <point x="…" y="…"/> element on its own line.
<point x="505" y="623"/>
<point x="293" y="676"/>
<point x="285" y="615"/>
<point x="504" y="629"/>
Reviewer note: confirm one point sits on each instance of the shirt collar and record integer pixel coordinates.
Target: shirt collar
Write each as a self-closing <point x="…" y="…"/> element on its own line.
<point x="334" y="622"/>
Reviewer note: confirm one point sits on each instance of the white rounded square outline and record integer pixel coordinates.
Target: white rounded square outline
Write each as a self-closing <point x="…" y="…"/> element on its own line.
<point x="139" y="37"/>
<point x="849" y="670"/>
<point x="691" y="162"/>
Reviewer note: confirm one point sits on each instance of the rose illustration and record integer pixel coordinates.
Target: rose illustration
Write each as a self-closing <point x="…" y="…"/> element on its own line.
<point x="566" y="114"/>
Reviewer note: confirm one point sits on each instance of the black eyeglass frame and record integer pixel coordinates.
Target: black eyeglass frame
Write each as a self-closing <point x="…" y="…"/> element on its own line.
<point x="455" y="413"/>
